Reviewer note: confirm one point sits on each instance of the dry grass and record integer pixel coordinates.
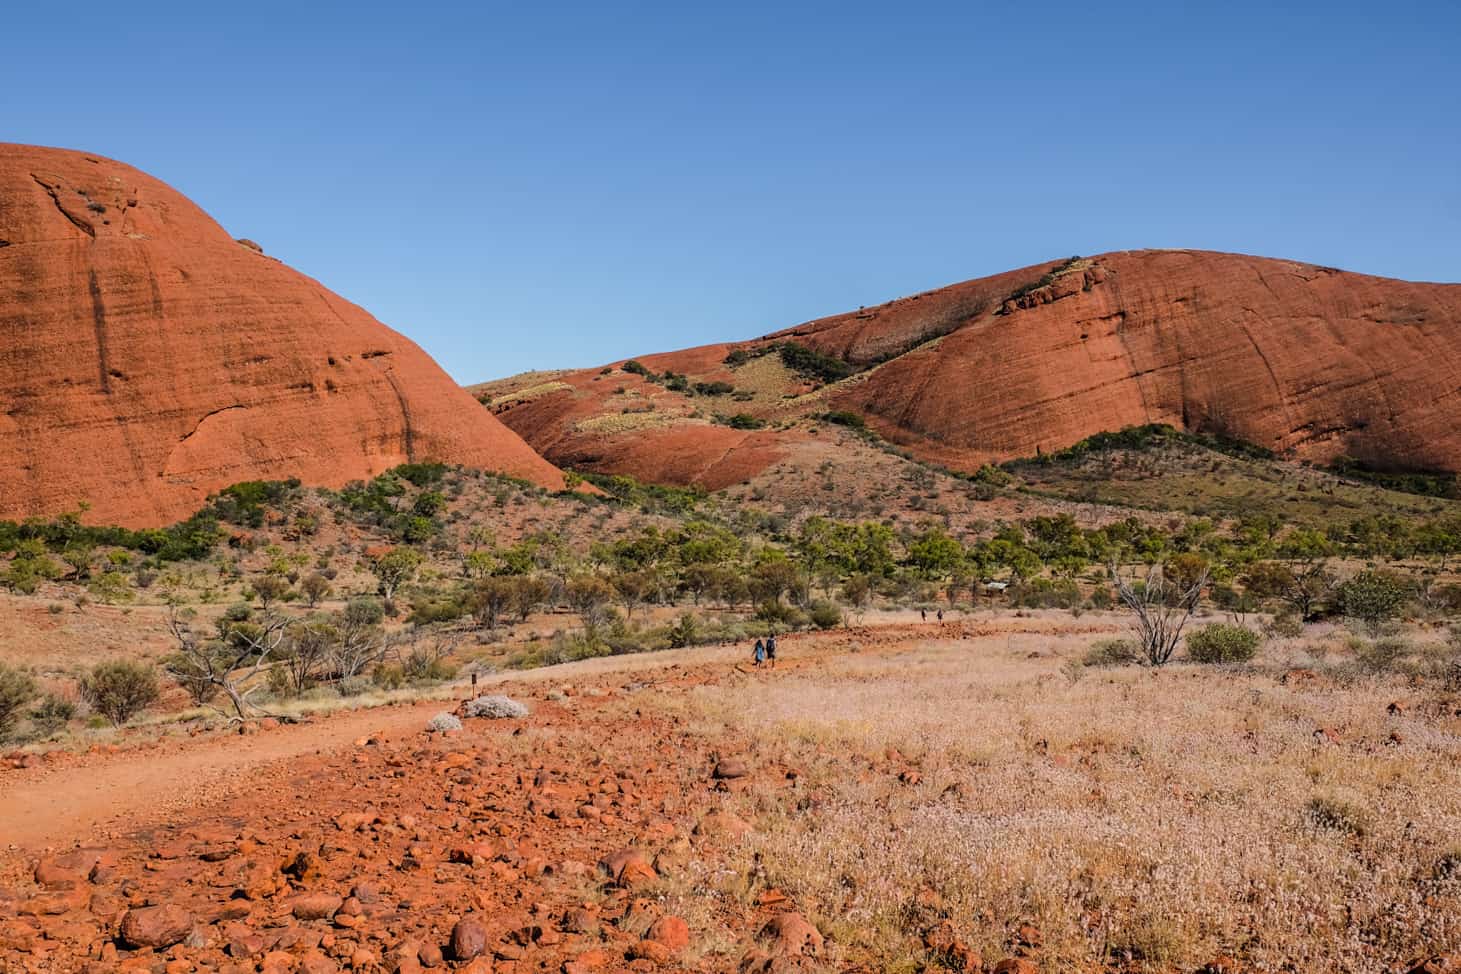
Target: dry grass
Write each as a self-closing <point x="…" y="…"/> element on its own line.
<point x="530" y="393"/>
<point x="631" y="422"/>
<point x="1153" y="817"/>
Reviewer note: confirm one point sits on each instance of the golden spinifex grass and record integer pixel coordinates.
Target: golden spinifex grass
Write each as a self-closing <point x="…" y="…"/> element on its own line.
<point x="1159" y="817"/>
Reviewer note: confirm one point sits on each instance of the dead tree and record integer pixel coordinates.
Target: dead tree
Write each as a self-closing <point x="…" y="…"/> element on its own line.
<point x="1161" y="608"/>
<point x="237" y="663"/>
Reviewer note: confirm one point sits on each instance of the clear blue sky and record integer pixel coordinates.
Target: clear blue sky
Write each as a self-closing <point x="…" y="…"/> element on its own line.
<point x="532" y="185"/>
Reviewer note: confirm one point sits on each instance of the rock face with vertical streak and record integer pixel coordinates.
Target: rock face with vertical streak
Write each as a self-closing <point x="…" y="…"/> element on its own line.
<point x="1310" y="362"/>
<point x="147" y="359"/>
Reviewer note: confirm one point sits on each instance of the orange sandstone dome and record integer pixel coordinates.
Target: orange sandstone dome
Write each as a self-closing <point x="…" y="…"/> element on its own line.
<point x="1310" y="362"/>
<point x="147" y="359"/>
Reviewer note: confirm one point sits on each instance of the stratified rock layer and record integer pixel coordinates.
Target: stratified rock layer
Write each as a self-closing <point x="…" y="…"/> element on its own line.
<point x="1310" y="362"/>
<point x="147" y="359"/>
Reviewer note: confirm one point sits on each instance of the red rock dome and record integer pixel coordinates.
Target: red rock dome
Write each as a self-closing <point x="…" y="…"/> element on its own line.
<point x="147" y="358"/>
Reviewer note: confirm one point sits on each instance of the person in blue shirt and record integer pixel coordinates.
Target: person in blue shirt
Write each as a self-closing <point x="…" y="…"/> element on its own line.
<point x="760" y="653"/>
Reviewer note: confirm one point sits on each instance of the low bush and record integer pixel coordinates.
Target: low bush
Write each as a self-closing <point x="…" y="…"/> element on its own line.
<point x="494" y="706"/>
<point x="1222" y="643"/>
<point x="16" y="690"/>
<point x="1285" y="625"/>
<point x="1045" y="593"/>
<point x="120" y="689"/>
<point x="1380" y="655"/>
<point x="52" y="715"/>
<point x="1111" y="652"/>
<point x="444" y="722"/>
<point x="1373" y="597"/>
<point x="825" y="614"/>
<point x="1337" y="815"/>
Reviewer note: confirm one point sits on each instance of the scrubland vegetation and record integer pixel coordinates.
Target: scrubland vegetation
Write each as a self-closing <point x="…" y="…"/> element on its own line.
<point x="1301" y="811"/>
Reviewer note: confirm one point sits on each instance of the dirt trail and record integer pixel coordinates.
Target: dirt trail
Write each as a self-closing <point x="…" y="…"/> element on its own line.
<point x="50" y="806"/>
<point x="92" y="797"/>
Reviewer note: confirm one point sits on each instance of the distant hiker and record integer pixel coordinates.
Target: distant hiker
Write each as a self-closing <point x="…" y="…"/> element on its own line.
<point x="940" y="615"/>
<point x="771" y="650"/>
<point x="760" y="653"/>
<point x="924" y="614"/>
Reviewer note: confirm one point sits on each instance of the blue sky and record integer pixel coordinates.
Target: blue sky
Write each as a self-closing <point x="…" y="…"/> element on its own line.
<point x="523" y="186"/>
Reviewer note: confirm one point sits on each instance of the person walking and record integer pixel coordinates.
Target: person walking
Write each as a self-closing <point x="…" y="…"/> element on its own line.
<point x="760" y="653"/>
<point x="924" y="614"/>
<point x="771" y="650"/>
<point x="940" y="615"/>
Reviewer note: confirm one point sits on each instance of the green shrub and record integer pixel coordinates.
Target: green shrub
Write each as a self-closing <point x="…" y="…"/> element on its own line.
<point x="1373" y="597"/>
<point x="388" y="676"/>
<point x="1111" y="652"/>
<point x="844" y="418"/>
<point x="1222" y="643"/>
<point x="1286" y="625"/>
<point x="1336" y="814"/>
<point x="52" y="714"/>
<point x="682" y="633"/>
<point x="637" y="367"/>
<point x="1380" y="655"/>
<point x="1045" y="593"/>
<point x="825" y="614"/>
<point x="741" y="421"/>
<point x="813" y="364"/>
<point x="120" y="689"/>
<point x="16" y="690"/>
<point x="714" y="388"/>
<point x="424" y="667"/>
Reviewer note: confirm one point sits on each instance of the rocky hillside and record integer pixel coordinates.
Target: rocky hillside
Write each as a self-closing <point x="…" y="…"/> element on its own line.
<point x="1312" y="363"/>
<point x="148" y="358"/>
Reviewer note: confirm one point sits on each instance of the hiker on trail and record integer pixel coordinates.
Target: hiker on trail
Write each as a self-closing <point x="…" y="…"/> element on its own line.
<point x="771" y="650"/>
<point x="760" y="653"/>
<point x="924" y="614"/>
<point x="940" y="615"/>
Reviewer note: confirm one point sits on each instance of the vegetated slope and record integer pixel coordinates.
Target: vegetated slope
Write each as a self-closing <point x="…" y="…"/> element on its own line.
<point x="148" y="358"/>
<point x="1311" y="363"/>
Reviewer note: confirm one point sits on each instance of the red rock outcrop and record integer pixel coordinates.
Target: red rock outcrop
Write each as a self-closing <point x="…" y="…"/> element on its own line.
<point x="1310" y="362"/>
<point x="147" y="359"/>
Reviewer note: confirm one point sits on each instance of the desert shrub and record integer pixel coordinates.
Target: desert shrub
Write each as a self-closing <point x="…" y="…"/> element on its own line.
<point x="352" y="686"/>
<point x="825" y="614"/>
<point x="16" y="690"/>
<point x="637" y="367"/>
<point x="388" y="676"/>
<point x="1222" y="643"/>
<point x="813" y="364"/>
<point x="1380" y="655"/>
<point x="846" y="418"/>
<point x="52" y="715"/>
<point x="1337" y="815"/>
<point x="1373" y="597"/>
<point x="1101" y="598"/>
<point x="1045" y="593"/>
<point x="682" y="632"/>
<point x="444" y="722"/>
<point x="191" y="673"/>
<point x="775" y="611"/>
<point x="1111" y="652"/>
<point x="494" y="706"/>
<point x="425" y="667"/>
<point x="120" y="689"/>
<point x="741" y="421"/>
<point x="1285" y="625"/>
